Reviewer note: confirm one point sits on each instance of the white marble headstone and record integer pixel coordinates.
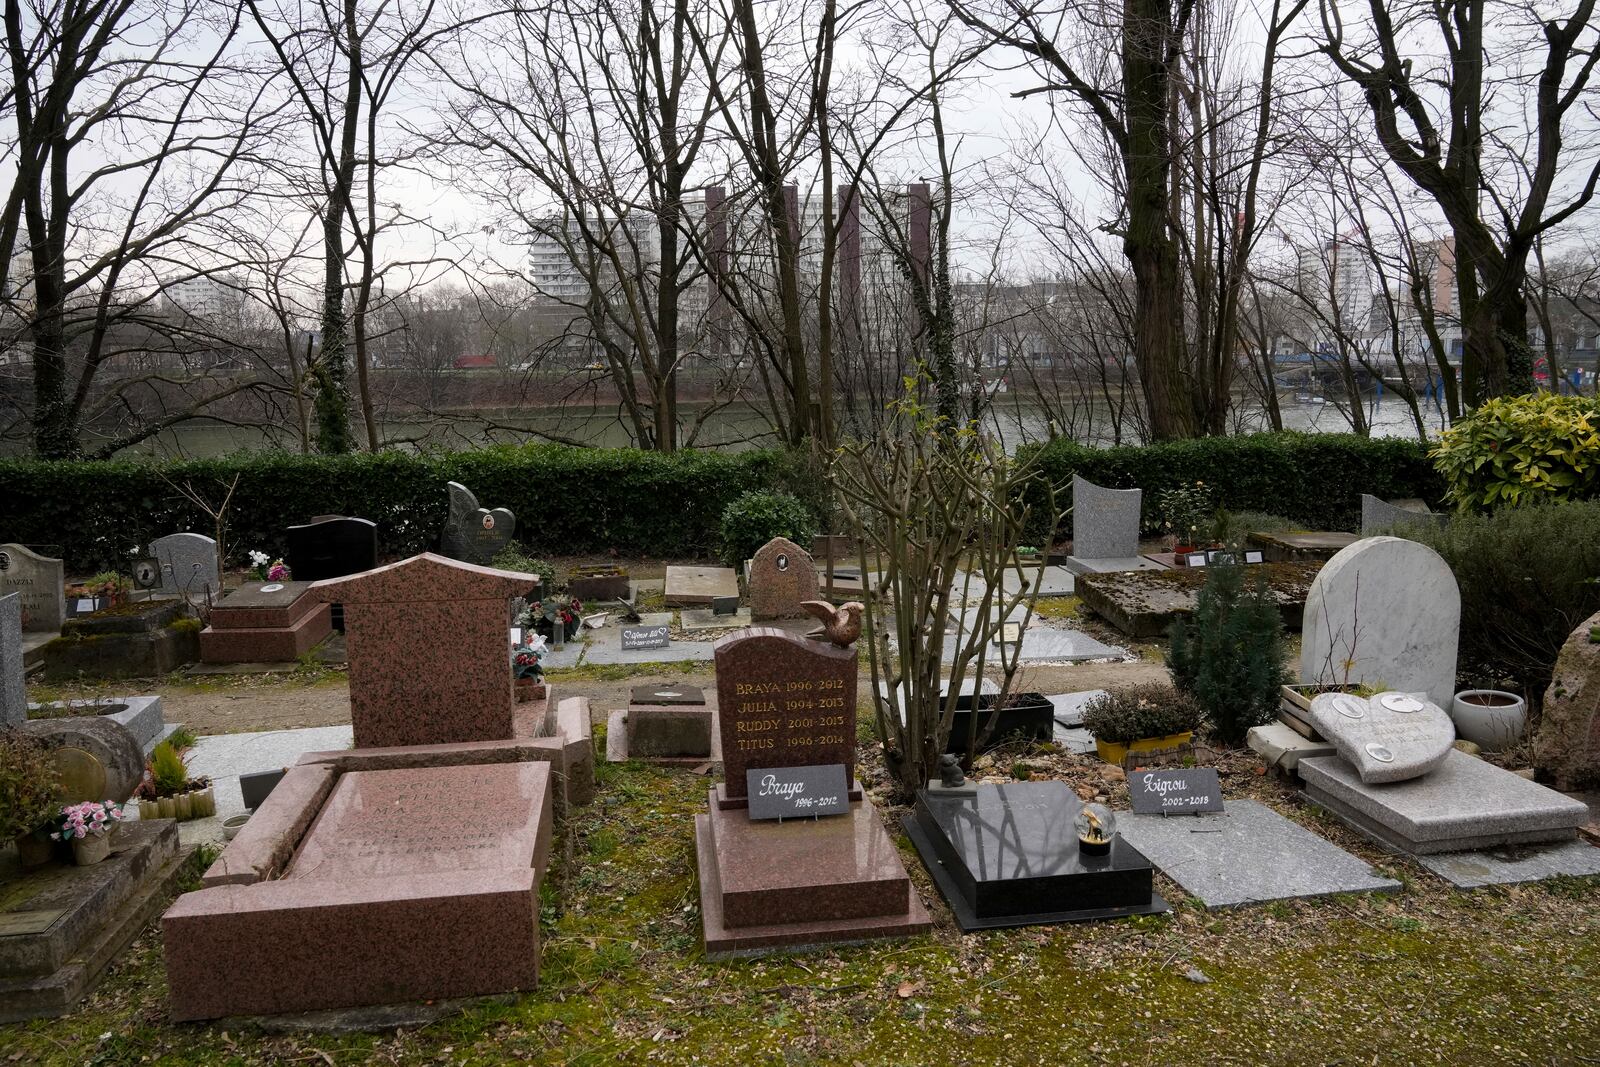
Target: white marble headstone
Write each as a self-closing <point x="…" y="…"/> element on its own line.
<point x="1389" y="737"/>
<point x="1383" y="612"/>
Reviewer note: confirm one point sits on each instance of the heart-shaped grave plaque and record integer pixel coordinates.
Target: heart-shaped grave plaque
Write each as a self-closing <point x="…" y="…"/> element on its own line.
<point x="473" y="534"/>
<point x="1387" y="738"/>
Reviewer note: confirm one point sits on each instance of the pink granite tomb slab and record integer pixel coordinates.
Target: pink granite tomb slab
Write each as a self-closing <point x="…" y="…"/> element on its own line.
<point x="417" y="821"/>
<point x="771" y="885"/>
<point x="783" y="701"/>
<point x="428" y="648"/>
<point x="411" y="884"/>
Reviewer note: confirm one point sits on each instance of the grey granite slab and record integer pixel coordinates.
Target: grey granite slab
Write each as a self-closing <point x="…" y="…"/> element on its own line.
<point x="1053" y="582"/>
<point x="1087" y="565"/>
<point x="13" y="688"/>
<point x="1074" y="738"/>
<point x="1069" y="706"/>
<point x="1465" y="803"/>
<point x="692" y="619"/>
<point x="1282" y="746"/>
<point x="1510" y="865"/>
<point x="1247" y="854"/>
<point x="224" y="757"/>
<point x="1046" y="644"/>
<point x="676" y="652"/>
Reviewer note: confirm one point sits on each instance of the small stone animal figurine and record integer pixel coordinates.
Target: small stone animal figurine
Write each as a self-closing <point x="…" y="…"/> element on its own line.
<point x="841" y="625"/>
<point x="950" y="775"/>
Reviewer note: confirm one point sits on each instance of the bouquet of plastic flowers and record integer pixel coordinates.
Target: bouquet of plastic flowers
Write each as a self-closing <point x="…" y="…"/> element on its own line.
<point x="92" y="817"/>
<point x="527" y="660"/>
<point x="542" y="616"/>
<point x="263" y="568"/>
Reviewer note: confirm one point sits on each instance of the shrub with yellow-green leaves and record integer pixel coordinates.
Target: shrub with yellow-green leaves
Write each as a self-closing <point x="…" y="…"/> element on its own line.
<point x="1521" y="449"/>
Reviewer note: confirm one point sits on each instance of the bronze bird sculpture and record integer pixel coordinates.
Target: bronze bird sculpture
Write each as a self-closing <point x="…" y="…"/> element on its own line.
<point x="841" y="625"/>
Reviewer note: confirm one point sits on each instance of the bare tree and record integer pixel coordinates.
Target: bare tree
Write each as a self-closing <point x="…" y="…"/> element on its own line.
<point x="1453" y="121"/>
<point x="135" y="127"/>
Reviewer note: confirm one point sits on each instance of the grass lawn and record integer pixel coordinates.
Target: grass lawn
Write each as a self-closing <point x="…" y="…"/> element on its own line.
<point x="1427" y="975"/>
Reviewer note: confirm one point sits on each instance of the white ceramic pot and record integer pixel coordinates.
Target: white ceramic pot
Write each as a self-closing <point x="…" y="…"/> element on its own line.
<point x="1489" y="718"/>
<point x="232" y="825"/>
<point x="91" y="849"/>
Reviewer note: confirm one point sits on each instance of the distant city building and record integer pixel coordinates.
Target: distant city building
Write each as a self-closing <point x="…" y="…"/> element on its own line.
<point x="213" y="299"/>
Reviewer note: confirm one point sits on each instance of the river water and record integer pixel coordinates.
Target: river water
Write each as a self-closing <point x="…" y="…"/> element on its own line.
<point x="1016" y="420"/>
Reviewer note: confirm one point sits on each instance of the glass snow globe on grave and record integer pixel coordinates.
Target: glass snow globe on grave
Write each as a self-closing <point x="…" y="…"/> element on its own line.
<point x="1028" y="853"/>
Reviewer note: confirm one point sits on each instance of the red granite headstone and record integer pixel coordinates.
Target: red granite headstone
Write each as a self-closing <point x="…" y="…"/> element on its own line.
<point x="782" y="576"/>
<point x="785" y="701"/>
<point x="429" y="650"/>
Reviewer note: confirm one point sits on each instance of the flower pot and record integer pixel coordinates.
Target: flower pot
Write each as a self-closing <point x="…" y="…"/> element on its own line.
<point x="232" y="825"/>
<point x="1029" y="716"/>
<point x="33" y="850"/>
<point x="1489" y="718"/>
<point x="90" y="850"/>
<point x="1115" y="753"/>
<point x="529" y="689"/>
<point x="167" y="807"/>
<point x="149" y="809"/>
<point x="184" y="804"/>
<point x="204" y="803"/>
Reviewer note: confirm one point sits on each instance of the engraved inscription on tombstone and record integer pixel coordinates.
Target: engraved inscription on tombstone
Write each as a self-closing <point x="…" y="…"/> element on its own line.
<point x="785" y="702"/>
<point x="39" y="580"/>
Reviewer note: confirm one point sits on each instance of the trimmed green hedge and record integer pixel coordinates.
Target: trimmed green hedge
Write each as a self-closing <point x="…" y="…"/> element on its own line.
<point x="566" y="500"/>
<point x="1315" y="479"/>
<point x="570" y="500"/>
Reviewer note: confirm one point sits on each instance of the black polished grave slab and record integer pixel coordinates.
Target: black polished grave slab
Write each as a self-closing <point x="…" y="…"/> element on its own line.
<point x="1008" y="856"/>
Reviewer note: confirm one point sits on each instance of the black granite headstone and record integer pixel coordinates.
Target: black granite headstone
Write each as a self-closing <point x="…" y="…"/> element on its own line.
<point x="332" y="546"/>
<point x="1008" y="856"/>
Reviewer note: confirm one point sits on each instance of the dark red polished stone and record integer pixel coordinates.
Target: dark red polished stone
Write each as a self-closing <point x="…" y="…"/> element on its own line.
<point x="783" y="701"/>
<point x="767" y="885"/>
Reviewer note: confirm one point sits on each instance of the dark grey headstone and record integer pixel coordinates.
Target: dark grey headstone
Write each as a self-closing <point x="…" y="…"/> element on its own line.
<point x="798" y="792"/>
<point x="255" y="787"/>
<point x="667" y="694"/>
<point x="724" y="605"/>
<point x="1180" y="791"/>
<point x="635" y="637"/>
<point x="332" y="548"/>
<point x="475" y="534"/>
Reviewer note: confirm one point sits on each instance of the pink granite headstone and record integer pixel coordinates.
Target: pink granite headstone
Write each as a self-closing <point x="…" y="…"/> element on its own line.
<point x="429" y="650"/>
